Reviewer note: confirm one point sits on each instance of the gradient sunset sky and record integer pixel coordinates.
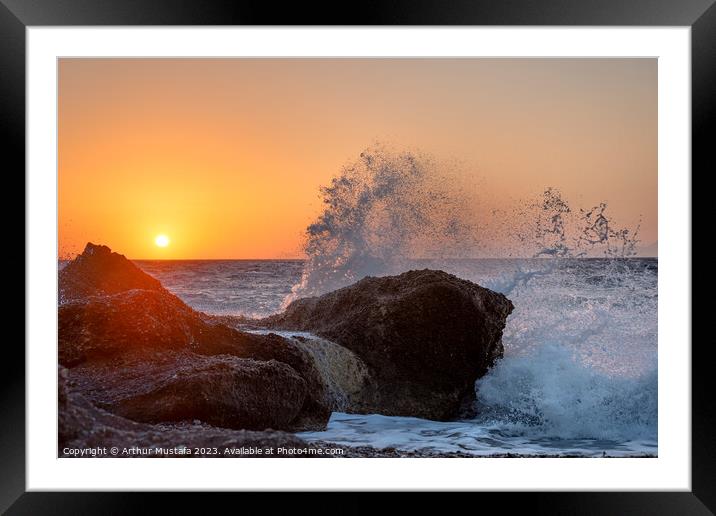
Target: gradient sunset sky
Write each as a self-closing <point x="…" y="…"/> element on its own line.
<point x="226" y="156"/>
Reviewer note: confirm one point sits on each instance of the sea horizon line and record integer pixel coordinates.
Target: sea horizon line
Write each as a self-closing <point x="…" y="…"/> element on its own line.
<point x="415" y="259"/>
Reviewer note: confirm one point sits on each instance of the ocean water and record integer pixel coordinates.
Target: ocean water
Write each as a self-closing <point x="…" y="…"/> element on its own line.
<point x="579" y="372"/>
<point x="228" y="287"/>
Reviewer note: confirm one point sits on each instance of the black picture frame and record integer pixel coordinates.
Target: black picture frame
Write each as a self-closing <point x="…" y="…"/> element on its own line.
<point x="17" y="15"/>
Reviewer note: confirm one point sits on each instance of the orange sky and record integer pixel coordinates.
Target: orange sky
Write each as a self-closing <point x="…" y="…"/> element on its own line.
<point x="226" y="156"/>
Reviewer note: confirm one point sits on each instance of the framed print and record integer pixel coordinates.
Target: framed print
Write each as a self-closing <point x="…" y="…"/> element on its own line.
<point x="441" y="249"/>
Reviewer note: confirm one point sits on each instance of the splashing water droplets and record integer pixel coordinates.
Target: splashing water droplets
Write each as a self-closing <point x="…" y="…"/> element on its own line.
<point x="382" y="210"/>
<point x="580" y="346"/>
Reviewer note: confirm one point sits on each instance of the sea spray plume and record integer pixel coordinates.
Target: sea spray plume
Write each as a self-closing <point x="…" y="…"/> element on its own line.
<point x="387" y="208"/>
<point x="597" y="230"/>
<point x="592" y="307"/>
<point x="550" y="230"/>
<point x="547" y="227"/>
<point x="380" y="211"/>
<point x="554" y="229"/>
<point x="553" y="304"/>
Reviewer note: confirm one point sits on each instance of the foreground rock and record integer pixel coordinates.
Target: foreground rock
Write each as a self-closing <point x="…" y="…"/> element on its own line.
<point x="143" y="353"/>
<point x="425" y="337"/>
<point x="82" y="426"/>
<point x="221" y="390"/>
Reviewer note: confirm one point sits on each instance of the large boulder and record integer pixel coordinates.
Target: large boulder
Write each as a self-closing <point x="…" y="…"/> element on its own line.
<point x="221" y="390"/>
<point x="137" y="328"/>
<point x="425" y="337"/>
<point x="83" y="426"/>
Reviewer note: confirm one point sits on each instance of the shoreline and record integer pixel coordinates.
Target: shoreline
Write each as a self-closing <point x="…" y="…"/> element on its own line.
<point x="351" y="452"/>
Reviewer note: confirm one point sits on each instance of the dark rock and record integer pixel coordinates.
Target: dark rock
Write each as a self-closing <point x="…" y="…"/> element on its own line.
<point x="149" y="323"/>
<point x="425" y="336"/>
<point x="81" y="425"/>
<point x="221" y="390"/>
<point x="132" y="321"/>
<point x="99" y="271"/>
<point x="317" y="405"/>
<point x="136" y="328"/>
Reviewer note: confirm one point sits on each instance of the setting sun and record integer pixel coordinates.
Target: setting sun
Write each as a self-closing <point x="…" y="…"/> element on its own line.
<point x="161" y="240"/>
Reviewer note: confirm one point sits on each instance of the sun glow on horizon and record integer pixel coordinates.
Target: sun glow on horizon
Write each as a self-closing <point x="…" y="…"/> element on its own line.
<point x="161" y="241"/>
<point x="171" y="159"/>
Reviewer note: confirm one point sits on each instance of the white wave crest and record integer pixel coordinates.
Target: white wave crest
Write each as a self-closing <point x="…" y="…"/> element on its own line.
<point x="550" y="393"/>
